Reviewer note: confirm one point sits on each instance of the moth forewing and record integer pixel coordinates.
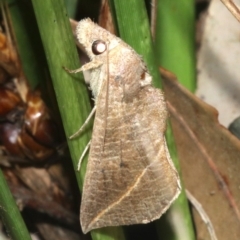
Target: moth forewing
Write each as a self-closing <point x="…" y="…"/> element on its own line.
<point x="130" y="176"/>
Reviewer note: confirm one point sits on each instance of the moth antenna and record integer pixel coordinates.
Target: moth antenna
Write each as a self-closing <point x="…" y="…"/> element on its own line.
<point x="84" y="124"/>
<point x="83" y="155"/>
<point x="107" y="92"/>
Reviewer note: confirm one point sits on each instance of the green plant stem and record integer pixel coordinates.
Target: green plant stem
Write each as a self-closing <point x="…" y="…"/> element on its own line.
<point x="10" y="214"/>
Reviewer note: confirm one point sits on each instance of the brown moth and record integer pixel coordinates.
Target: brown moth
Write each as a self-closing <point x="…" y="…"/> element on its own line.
<point x="130" y="176"/>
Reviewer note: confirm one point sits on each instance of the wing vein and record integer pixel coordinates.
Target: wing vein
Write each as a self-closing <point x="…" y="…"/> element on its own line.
<point x="127" y="193"/>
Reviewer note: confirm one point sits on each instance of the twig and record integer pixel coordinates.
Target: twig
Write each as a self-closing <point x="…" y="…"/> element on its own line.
<point x="203" y="214"/>
<point x="232" y="7"/>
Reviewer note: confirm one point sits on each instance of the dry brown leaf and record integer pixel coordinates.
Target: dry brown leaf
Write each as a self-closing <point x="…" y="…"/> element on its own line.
<point x="41" y="203"/>
<point x="105" y="19"/>
<point x="54" y="232"/>
<point x="36" y="179"/>
<point x="209" y="157"/>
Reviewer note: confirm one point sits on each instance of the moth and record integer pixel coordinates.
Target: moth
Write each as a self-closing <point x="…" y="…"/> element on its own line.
<point x="130" y="177"/>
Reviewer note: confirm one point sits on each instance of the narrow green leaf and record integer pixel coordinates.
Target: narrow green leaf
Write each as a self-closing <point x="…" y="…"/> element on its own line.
<point x="71" y="91"/>
<point x="175" y="39"/>
<point x="10" y="214"/>
<point x="175" y="49"/>
<point x="134" y="29"/>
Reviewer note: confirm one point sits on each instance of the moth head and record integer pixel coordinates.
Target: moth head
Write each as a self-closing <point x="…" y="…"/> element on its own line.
<point x="93" y="39"/>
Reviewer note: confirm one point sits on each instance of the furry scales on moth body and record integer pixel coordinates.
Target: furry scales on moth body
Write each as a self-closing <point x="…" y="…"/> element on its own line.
<point x="130" y="177"/>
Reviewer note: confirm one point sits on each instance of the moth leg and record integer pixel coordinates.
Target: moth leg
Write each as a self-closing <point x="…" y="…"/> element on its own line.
<point x="82" y="156"/>
<point x="84" y="124"/>
<point x="85" y="67"/>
